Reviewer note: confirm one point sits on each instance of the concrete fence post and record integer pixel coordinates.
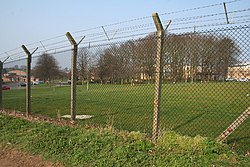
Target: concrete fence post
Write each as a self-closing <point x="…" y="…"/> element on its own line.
<point x="158" y="76"/>
<point x="73" y="74"/>
<point x="28" y="82"/>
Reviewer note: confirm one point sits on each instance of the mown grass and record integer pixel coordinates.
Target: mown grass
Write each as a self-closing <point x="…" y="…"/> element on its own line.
<point x="79" y="146"/>
<point x="204" y="109"/>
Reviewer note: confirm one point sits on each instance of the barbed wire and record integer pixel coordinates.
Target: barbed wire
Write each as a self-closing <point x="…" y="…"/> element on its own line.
<point x="208" y="20"/>
<point x="210" y="25"/>
<point x="149" y="17"/>
<point x="149" y="26"/>
<point x="108" y="43"/>
<point x="198" y="8"/>
<point x="130" y="30"/>
<point x="98" y="43"/>
<point x="56" y="50"/>
<point x="105" y="42"/>
<point x="175" y="22"/>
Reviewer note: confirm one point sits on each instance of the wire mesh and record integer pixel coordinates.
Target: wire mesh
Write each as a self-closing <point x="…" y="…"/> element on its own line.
<point x="112" y="84"/>
<point x="206" y="83"/>
<point x="51" y="88"/>
<point x="205" y="75"/>
<point x="14" y="85"/>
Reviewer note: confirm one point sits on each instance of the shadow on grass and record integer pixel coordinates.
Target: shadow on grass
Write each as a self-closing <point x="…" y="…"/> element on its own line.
<point x="188" y="121"/>
<point x="235" y="139"/>
<point x="106" y="114"/>
<point x="241" y="144"/>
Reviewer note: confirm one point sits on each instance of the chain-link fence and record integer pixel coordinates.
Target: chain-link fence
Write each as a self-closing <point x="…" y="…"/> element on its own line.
<point x="206" y="83"/>
<point x="14" y="77"/>
<point x="51" y="89"/>
<point x="116" y="84"/>
<point x="203" y="85"/>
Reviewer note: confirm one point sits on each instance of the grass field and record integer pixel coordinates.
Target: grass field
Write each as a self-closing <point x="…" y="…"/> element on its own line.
<point x="191" y="109"/>
<point x="81" y="146"/>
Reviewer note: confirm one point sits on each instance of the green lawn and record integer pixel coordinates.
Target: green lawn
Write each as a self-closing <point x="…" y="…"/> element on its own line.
<point x="81" y="146"/>
<point x="191" y="109"/>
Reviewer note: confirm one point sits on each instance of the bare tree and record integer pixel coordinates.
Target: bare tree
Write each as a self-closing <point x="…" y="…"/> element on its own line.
<point x="197" y="56"/>
<point x="84" y="64"/>
<point x="46" y="68"/>
<point x="109" y="65"/>
<point x="129" y="67"/>
<point x="146" y="51"/>
<point x="187" y="57"/>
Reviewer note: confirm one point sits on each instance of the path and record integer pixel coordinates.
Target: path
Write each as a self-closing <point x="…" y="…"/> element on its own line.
<point x="14" y="158"/>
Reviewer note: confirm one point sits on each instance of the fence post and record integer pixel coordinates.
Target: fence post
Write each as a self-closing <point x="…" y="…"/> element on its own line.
<point x="1" y="84"/>
<point x="28" y="83"/>
<point x="73" y="74"/>
<point x="158" y="76"/>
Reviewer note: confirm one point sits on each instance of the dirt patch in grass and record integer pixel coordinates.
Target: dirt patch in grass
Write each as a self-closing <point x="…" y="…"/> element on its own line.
<point x="14" y="158"/>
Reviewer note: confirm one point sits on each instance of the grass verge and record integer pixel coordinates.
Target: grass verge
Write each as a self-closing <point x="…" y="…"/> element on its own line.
<point x="81" y="146"/>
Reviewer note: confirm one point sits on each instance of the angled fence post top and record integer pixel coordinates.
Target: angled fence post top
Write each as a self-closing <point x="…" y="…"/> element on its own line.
<point x="26" y="50"/>
<point x="71" y="39"/>
<point x="157" y="22"/>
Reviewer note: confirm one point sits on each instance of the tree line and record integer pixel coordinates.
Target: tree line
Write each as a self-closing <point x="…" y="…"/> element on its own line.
<point x="187" y="57"/>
